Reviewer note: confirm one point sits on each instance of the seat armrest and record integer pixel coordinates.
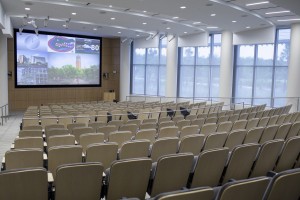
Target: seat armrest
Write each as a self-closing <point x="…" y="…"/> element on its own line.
<point x="271" y="174"/>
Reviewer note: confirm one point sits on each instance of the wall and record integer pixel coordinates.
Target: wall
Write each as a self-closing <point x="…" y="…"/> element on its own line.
<point x="20" y="98"/>
<point x="3" y="71"/>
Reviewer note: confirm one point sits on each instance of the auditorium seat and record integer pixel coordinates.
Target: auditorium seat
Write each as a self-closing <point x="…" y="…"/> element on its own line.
<point x="189" y="130"/>
<point x="224" y="126"/>
<point x="133" y="128"/>
<point x="199" y="122"/>
<point x="29" y="142"/>
<point x="266" y="158"/>
<point x="128" y="178"/>
<point x="206" y="129"/>
<point x="170" y="173"/>
<point x="65" y="120"/>
<point x="191" y="144"/>
<point x="56" y="131"/>
<point x="116" y="123"/>
<point x="70" y="127"/>
<point x="284" y="185"/>
<point x="104" y="153"/>
<point x="134" y="149"/>
<point x="215" y="140"/>
<point x="30" y="133"/>
<point x="273" y="119"/>
<point x="169" y="131"/>
<point x="239" y="124"/>
<point x="240" y="162"/>
<point x="253" y="135"/>
<point x="78" y="181"/>
<point x="60" y="140"/>
<point x="147" y="134"/>
<point x="294" y="130"/>
<point x="51" y="126"/>
<point x="81" y="130"/>
<point x="120" y="137"/>
<point x="106" y="130"/>
<point x="235" y="137"/>
<point x="252" y="123"/>
<point x="163" y="146"/>
<point x="24" y="184"/>
<point x="263" y="122"/>
<point x="32" y="127"/>
<point x="209" y="167"/>
<point x="23" y="158"/>
<point x="268" y="134"/>
<point x="283" y="131"/>
<point x="251" y="189"/>
<point x="90" y="138"/>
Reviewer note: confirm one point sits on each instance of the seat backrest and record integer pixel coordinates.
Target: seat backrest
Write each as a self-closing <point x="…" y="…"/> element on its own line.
<point x="65" y="120"/>
<point x="263" y="122"/>
<point x="147" y="134"/>
<point x="211" y="120"/>
<point x="171" y="173"/>
<point x="282" y="131"/>
<point x="78" y="181"/>
<point x="251" y="115"/>
<point x="215" y="140"/>
<point x="235" y="138"/>
<point x="189" y="130"/>
<point x="23" y="158"/>
<point x="223" y="119"/>
<point x="204" y="193"/>
<point x="234" y="118"/>
<point x="267" y="157"/>
<point x="116" y="123"/>
<point x="70" y="127"/>
<point x="289" y="154"/>
<point x="30" y="133"/>
<point x="90" y="138"/>
<point x="240" y="162"/>
<point x="107" y="130"/>
<point x="171" y="131"/>
<point x="48" y="120"/>
<point x="249" y="189"/>
<point x="294" y="118"/>
<point x="134" y="121"/>
<point x="288" y="118"/>
<point x="60" y="155"/>
<point x="224" y="126"/>
<point x="273" y="120"/>
<point x="243" y="116"/>
<point x="134" y="149"/>
<point x="96" y="125"/>
<point x="145" y="121"/>
<point x="128" y="178"/>
<point x="191" y="117"/>
<point x="148" y="126"/>
<point x="59" y="140"/>
<point x="209" y="167"/>
<point x="191" y="143"/>
<point x="24" y="184"/>
<point x="83" y="118"/>
<point x="33" y="127"/>
<point x="31" y="121"/>
<point x="29" y="142"/>
<point x="182" y="123"/>
<point x="268" y="134"/>
<point x="239" y="124"/>
<point x="294" y="130"/>
<point x="199" y="122"/>
<point x="166" y="124"/>
<point x="104" y="153"/>
<point x="81" y="130"/>
<point x="253" y="135"/>
<point x="206" y="129"/>
<point x="164" y="146"/>
<point x="120" y="137"/>
<point x="178" y="118"/>
<point x="281" y="119"/>
<point x="56" y="131"/>
<point x="48" y="127"/>
<point x="252" y="123"/>
<point x="133" y="128"/>
<point x="284" y="185"/>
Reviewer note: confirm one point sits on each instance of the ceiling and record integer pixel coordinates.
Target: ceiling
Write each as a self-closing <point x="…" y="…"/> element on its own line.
<point x="139" y="18"/>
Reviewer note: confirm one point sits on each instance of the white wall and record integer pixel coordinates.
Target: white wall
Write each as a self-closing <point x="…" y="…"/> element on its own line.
<point x="193" y="40"/>
<point x="171" y="76"/>
<point x="258" y="36"/>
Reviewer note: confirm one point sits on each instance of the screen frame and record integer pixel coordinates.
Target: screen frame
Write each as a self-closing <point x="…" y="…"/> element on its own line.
<point x="16" y="31"/>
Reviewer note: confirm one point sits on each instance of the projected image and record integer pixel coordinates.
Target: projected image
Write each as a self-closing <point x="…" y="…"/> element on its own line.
<point x="57" y="60"/>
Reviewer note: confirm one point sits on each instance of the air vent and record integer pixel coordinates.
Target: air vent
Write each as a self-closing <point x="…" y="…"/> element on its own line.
<point x="87" y="4"/>
<point x="244" y="16"/>
<point x="126" y="10"/>
<point x="154" y="15"/>
<point x="209" y="4"/>
<point x="102" y="12"/>
<point x="28" y="3"/>
<point x="164" y="22"/>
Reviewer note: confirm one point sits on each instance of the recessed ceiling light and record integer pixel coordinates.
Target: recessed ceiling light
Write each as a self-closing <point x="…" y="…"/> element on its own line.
<point x="278" y="12"/>
<point x="233" y="21"/>
<point x="168" y="28"/>
<point x="64" y="25"/>
<point x="137" y="35"/>
<point x="185" y="32"/>
<point x="144" y="11"/>
<point x="119" y="32"/>
<point x="175" y="17"/>
<point x="196" y="22"/>
<point x="248" y="27"/>
<point x="67" y="0"/>
<point x="288" y="20"/>
<point x="213" y="15"/>
<point x="110" y="6"/>
<point x="257" y="3"/>
<point x="183" y="7"/>
<point x="144" y="23"/>
<point x="212" y="27"/>
<point x="112" y="18"/>
<point x="95" y="29"/>
<point x="74" y="13"/>
<point x="27" y="8"/>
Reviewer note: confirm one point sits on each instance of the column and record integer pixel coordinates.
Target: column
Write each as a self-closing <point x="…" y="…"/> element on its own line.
<point x="226" y="67"/>
<point x="3" y="71"/>
<point x="172" y="65"/>
<point x="294" y="68"/>
<point x="124" y="70"/>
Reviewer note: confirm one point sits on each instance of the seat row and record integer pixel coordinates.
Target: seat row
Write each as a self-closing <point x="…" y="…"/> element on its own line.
<point x="131" y="179"/>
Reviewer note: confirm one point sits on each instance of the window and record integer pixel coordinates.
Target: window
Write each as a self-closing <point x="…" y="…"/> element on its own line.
<point x="149" y="70"/>
<point x="261" y="71"/>
<point x="199" y="69"/>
